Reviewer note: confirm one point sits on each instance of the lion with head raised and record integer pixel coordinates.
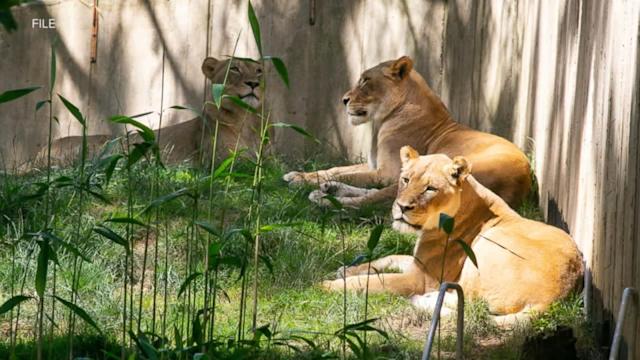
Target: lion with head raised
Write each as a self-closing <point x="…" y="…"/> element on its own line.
<point x="192" y="140"/>
<point x="522" y="265"/>
<point x="403" y="110"/>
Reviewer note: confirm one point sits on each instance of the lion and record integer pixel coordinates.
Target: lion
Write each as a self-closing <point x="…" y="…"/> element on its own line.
<point x="237" y="128"/>
<point x="403" y="110"/>
<point x="522" y="265"/>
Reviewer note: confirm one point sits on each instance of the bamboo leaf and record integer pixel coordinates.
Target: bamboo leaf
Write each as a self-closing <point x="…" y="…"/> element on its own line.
<point x="141" y="114"/>
<point x="214" y="254"/>
<point x="165" y="199"/>
<point x="80" y="312"/>
<point x="112" y="162"/>
<point x="196" y="331"/>
<point x="446" y="223"/>
<point x="224" y="166"/>
<point x="469" y="251"/>
<point x="96" y="195"/>
<point x="297" y="129"/>
<point x="208" y="227"/>
<point x="69" y="247"/>
<point x="41" y="103"/>
<point x="244" y="232"/>
<point x="73" y="110"/>
<point x="10" y="95"/>
<point x="267" y="263"/>
<point x="280" y="68"/>
<point x="374" y="239"/>
<point x="271" y="227"/>
<point x="111" y="235"/>
<point x="332" y="199"/>
<point x="179" y="107"/>
<point x="255" y="27"/>
<point x="177" y="337"/>
<point x="126" y="220"/>
<point x="138" y="152"/>
<point x="188" y="281"/>
<point x="145" y="132"/>
<point x="42" y="267"/>
<point x="7" y="20"/>
<point x="145" y="346"/>
<point x="216" y="92"/>
<point x="241" y="103"/>
<point x="263" y="331"/>
<point x="13" y="302"/>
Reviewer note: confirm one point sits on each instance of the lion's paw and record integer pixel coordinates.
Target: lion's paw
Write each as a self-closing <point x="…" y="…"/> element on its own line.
<point x="318" y="197"/>
<point x="330" y="187"/>
<point x="427" y="302"/>
<point x="294" y="177"/>
<point x="331" y="284"/>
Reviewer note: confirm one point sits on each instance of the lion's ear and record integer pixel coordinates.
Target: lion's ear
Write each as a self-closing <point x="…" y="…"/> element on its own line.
<point x="408" y="153"/>
<point x="209" y="66"/>
<point x="401" y="68"/>
<point x="459" y="170"/>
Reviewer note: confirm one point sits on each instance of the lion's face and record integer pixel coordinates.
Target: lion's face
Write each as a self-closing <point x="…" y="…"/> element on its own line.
<point x="379" y="91"/>
<point x="243" y="79"/>
<point x="428" y="185"/>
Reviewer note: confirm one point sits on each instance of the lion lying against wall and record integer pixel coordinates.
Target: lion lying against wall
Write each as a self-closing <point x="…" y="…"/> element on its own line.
<point x="237" y="129"/>
<point x="405" y="111"/>
<point x="523" y="265"/>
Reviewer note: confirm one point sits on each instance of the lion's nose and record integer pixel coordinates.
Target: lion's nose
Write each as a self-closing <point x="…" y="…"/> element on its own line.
<point x="404" y="208"/>
<point x="345" y="100"/>
<point x="252" y="84"/>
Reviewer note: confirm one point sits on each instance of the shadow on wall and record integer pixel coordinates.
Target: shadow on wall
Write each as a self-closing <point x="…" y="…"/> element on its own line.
<point x="565" y="75"/>
<point x="326" y="59"/>
<point x="319" y="71"/>
<point x="131" y="74"/>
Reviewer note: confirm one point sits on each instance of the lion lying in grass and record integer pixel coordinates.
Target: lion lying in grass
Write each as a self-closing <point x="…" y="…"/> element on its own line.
<point x="403" y="110"/>
<point x="237" y="127"/>
<point x="523" y="264"/>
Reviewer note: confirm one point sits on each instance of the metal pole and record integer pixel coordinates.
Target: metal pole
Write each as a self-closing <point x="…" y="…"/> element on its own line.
<point x="617" y="335"/>
<point x="426" y="353"/>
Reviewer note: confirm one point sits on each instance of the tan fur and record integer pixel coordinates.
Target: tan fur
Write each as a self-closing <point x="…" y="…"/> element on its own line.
<point x="180" y="142"/>
<point x="405" y="111"/>
<point x="522" y="264"/>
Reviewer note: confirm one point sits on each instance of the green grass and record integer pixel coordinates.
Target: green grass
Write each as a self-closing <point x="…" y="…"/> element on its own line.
<point x="290" y="302"/>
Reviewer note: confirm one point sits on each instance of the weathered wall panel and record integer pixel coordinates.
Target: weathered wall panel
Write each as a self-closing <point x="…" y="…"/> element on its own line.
<point x="572" y="100"/>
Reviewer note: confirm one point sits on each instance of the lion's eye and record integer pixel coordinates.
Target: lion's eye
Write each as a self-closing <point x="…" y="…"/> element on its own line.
<point x="405" y="180"/>
<point x="430" y="189"/>
<point x="235" y="69"/>
<point x="363" y="81"/>
<point x="259" y="71"/>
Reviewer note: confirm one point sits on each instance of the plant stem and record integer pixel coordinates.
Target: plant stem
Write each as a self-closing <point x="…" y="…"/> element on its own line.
<point x="155" y="193"/>
<point x="207" y="260"/>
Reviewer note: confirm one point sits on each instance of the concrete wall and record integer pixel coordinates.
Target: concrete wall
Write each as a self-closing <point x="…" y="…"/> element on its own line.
<point x="559" y="78"/>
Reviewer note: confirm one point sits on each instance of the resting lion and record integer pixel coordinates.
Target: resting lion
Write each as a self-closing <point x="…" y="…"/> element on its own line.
<point x="405" y="111"/>
<point x="182" y="141"/>
<point x="523" y="264"/>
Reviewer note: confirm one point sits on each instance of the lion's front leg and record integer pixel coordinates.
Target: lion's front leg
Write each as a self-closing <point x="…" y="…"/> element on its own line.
<point x="408" y="284"/>
<point x="347" y="195"/>
<point x="355" y="199"/>
<point x="318" y="177"/>
<point x="365" y="179"/>
<point x="399" y="263"/>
